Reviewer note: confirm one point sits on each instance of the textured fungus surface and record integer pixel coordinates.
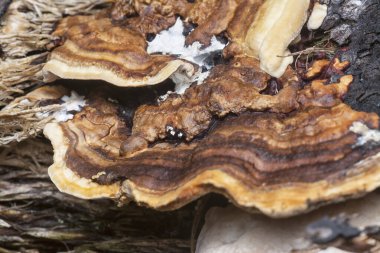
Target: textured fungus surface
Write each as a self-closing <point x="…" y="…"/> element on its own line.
<point x="298" y="161"/>
<point x="111" y="46"/>
<point x="282" y="145"/>
<point x="93" y="48"/>
<point x="231" y="88"/>
<point x="149" y="17"/>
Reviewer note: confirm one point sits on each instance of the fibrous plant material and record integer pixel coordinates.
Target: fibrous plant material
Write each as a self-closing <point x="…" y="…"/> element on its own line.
<point x="16" y="75"/>
<point x="25" y="34"/>
<point x="26" y="116"/>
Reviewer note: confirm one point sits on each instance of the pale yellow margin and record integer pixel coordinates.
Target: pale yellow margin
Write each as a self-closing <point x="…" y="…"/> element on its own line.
<point x="65" y="179"/>
<point x="279" y="201"/>
<point x="65" y="71"/>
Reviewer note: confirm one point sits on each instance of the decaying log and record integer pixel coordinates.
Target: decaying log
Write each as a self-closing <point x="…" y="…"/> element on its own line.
<point x="365" y="54"/>
<point x="36" y="217"/>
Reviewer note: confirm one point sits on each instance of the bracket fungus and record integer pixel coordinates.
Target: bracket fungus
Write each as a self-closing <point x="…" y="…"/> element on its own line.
<point x="253" y="130"/>
<point x="93" y="48"/>
<point x="276" y="25"/>
<point x="111" y="46"/>
<point x="231" y="88"/>
<point x="280" y="163"/>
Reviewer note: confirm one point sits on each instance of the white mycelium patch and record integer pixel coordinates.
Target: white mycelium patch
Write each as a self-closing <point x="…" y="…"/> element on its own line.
<point x="366" y="134"/>
<point x="172" y="41"/>
<point x="72" y="103"/>
<point x="25" y="102"/>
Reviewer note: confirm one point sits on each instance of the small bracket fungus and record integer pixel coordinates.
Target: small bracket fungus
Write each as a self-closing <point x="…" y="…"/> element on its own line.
<point x="276" y="25"/>
<point x="115" y="50"/>
<point x="94" y="48"/>
<point x="66" y="179"/>
<point x="317" y="16"/>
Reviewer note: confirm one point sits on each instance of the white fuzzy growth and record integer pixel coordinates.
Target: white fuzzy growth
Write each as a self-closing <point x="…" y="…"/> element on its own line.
<point x="182" y="82"/>
<point x="25" y="102"/>
<point x="366" y="134"/>
<point x="202" y="76"/>
<point x="172" y="41"/>
<point x="72" y="103"/>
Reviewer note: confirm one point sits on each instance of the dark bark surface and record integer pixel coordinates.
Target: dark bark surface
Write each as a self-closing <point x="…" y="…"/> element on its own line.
<point x="356" y="26"/>
<point x="4" y="4"/>
<point x="365" y="55"/>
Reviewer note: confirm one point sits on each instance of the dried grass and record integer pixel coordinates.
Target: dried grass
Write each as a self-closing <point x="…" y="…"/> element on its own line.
<point x="19" y="122"/>
<point x="18" y="74"/>
<point x="32" y="154"/>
